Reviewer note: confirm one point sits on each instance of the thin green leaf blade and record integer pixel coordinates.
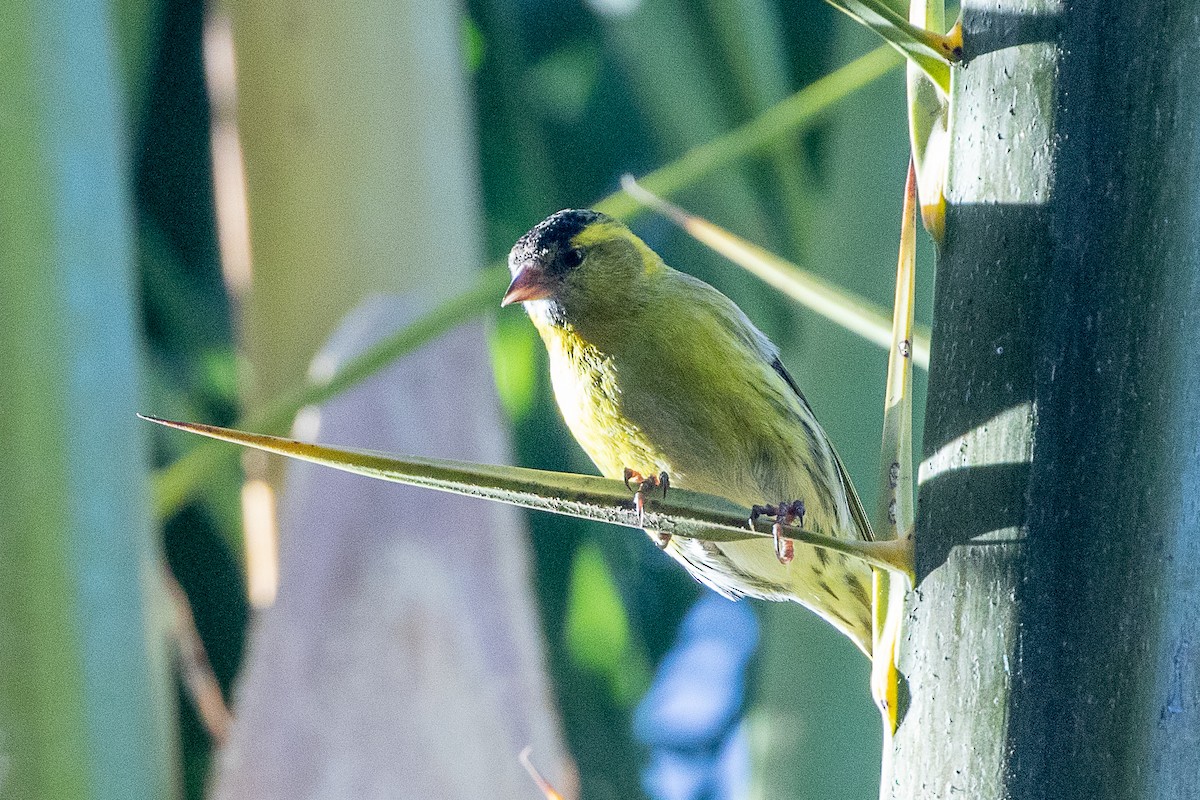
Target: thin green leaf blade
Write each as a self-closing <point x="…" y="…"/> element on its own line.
<point x="693" y="515"/>
<point x="583" y="496"/>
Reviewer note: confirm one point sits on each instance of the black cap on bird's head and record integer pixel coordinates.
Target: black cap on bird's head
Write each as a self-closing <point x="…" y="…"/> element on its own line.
<point x="543" y="256"/>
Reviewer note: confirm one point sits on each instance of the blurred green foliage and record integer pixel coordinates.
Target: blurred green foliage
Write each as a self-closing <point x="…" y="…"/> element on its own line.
<point x="597" y="628"/>
<point x="569" y="95"/>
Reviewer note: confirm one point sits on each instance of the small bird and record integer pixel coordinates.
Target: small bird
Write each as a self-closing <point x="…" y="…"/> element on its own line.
<point x="659" y="374"/>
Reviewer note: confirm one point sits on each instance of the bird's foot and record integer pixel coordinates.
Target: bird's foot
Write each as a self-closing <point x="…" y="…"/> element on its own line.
<point x="784" y="514"/>
<point x="644" y="484"/>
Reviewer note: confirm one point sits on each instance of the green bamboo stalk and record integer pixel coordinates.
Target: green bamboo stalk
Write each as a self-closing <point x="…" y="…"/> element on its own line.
<point x="1051" y="647"/>
<point x="84" y="710"/>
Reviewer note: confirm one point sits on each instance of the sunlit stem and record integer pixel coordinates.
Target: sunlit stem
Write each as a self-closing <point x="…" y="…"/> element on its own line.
<point x="895" y="515"/>
<point x="929" y="122"/>
<point x="856" y="314"/>
<point x="896" y="511"/>
<point x="543" y="785"/>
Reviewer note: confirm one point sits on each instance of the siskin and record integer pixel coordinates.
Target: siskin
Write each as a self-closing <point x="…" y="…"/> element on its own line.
<point x="658" y="373"/>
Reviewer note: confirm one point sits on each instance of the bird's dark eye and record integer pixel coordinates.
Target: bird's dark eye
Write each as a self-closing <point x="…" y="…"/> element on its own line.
<point x="573" y="257"/>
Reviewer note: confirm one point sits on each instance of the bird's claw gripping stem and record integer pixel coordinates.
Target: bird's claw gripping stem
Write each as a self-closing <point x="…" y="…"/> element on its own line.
<point x="645" y="483"/>
<point x="784" y="514"/>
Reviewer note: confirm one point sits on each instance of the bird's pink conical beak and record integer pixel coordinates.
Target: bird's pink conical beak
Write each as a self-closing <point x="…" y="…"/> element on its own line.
<point x="528" y="284"/>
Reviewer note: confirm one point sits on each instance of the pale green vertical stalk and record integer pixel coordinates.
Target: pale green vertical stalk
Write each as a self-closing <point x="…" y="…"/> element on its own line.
<point x="815" y="688"/>
<point x="83" y="709"/>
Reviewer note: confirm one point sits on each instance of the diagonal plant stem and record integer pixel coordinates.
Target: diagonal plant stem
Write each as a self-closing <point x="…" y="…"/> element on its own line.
<point x="783" y="119"/>
<point x="539" y="780"/>
<point x="855" y="314"/>
<point x="175" y="483"/>
<point x="195" y="669"/>
<point x="681" y="513"/>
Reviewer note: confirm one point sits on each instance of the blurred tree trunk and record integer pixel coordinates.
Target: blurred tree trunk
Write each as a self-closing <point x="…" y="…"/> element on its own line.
<point x="1052" y="646"/>
<point x="84" y="703"/>
<point x="402" y="657"/>
<point x="360" y="165"/>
